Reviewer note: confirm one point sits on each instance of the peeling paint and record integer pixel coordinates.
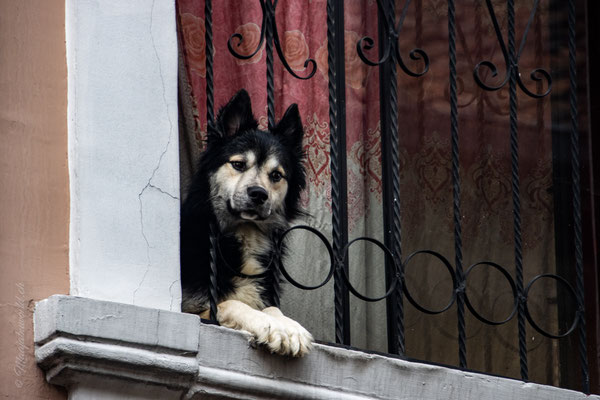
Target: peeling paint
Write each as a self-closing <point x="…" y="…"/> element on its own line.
<point x="103" y="317"/>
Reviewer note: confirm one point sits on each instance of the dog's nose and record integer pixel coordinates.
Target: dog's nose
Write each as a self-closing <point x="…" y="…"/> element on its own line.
<point x="257" y="194"/>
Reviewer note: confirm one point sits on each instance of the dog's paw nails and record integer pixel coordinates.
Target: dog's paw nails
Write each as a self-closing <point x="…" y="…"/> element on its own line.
<point x="303" y="340"/>
<point x="294" y="347"/>
<point x="299" y="340"/>
<point x="279" y="340"/>
<point x="306" y="341"/>
<point x="261" y="334"/>
<point x="253" y="343"/>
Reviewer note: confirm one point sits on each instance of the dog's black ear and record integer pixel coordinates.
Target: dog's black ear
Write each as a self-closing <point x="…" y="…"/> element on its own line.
<point x="236" y="116"/>
<point x="290" y="126"/>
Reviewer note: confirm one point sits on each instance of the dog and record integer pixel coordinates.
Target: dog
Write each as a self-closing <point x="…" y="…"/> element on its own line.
<point x="247" y="186"/>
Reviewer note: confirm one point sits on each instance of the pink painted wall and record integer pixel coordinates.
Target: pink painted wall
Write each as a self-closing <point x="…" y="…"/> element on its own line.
<point x="34" y="199"/>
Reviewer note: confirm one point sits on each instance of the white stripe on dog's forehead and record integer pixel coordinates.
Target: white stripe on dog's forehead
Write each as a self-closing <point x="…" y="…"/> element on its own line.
<point x="273" y="163"/>
<point x="250" y="157"/>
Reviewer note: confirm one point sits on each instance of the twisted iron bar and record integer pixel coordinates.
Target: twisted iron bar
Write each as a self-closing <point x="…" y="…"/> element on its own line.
<point x="210" y="119"/>
<point x="268" y="32"/>
<point x="213" y="273"/>
<point x="269" y="18"/>
<point x="276" y="273"/>
<point x="462" y="345"/>
<point x="208" y="40"/>
<point x="512" y="63"/>
<point x="575" y="177"/>
<point x="338" y="171"/>
<point x="396" y="230"/>
<point x="270" y="15"/>
<point x="391" y="48"/>
<point x="390" y="167"/>
<point x="516" y="198"/>
<point x="390" y="56"/>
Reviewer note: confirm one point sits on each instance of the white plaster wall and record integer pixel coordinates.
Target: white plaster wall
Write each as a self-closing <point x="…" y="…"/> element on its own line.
<point x="123" y="151"/>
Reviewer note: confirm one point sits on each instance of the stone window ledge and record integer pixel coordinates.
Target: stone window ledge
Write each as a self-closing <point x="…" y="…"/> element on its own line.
<point x="110" y="347"/>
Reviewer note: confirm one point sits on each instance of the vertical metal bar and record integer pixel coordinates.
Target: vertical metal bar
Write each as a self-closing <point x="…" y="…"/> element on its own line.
<point x="210" y="119"/>
<point x="575" y="176"/>
<point x="562" y="184"/>
<point x="276" y="268"/>
<point x="516" y="199"/>
<point x="212" y="257"/>
<point x="395" y="160"/>
<point x="208" y="40"/>
<point x="269" y="19"/>
<point x="386" y="174"/>
<point x="337" y="132"/>
<point x="391" y="177"/>
<point x="460" y="301"/>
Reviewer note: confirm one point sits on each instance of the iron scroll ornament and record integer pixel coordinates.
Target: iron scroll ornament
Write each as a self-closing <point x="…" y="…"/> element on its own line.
<point x="268" y="20"/>
<point x="391" y="45"/>
<point x="537" y="74"/>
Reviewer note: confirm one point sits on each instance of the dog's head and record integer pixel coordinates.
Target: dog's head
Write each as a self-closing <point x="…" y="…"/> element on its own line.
<point x="255" y="176"/>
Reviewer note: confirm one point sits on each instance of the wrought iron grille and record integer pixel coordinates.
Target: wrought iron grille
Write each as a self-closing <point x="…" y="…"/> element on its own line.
<point x="390" y="64"/>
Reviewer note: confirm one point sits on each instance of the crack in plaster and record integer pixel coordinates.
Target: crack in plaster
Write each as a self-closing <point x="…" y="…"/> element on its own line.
<point x="171" y="294"/>
<point x="156" y="333"/>
<point x="149" y="183"/>
<point x="163" y="191"/>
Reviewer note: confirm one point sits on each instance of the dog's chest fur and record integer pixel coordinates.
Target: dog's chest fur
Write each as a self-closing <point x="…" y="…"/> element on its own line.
<point x="254" y="245"/>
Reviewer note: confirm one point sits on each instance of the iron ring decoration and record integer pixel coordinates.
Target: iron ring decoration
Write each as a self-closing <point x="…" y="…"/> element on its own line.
<point x="329" y="251"/>
<point x="513" y="287"/>
<point x="512" y="67"/>
<point x="452" y="275"/>
<point x="355" y="292"/>
<point x="528" y="314"/>
<point x="392" y="48"/>
<point x="268" y="18"/>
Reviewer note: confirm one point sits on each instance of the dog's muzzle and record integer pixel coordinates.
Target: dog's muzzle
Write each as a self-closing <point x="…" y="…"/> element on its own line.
<point x="253" y="206"/>
<point x="257" y="195"/>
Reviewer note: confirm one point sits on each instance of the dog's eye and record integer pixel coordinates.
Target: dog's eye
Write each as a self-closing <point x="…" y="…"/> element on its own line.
<point x="238" y="165"/>
<point x="276" y="176"/>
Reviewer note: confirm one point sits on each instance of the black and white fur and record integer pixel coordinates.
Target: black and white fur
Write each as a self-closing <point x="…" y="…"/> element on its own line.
<point x="248" y="186"/>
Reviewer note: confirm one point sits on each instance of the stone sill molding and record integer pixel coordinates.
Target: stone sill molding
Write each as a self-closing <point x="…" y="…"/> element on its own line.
<point x="105" y="345"/>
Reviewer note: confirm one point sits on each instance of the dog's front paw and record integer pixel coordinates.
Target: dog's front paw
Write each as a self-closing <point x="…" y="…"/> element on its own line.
<point x="287" y="336"/>
<point x="280" y="334"/>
